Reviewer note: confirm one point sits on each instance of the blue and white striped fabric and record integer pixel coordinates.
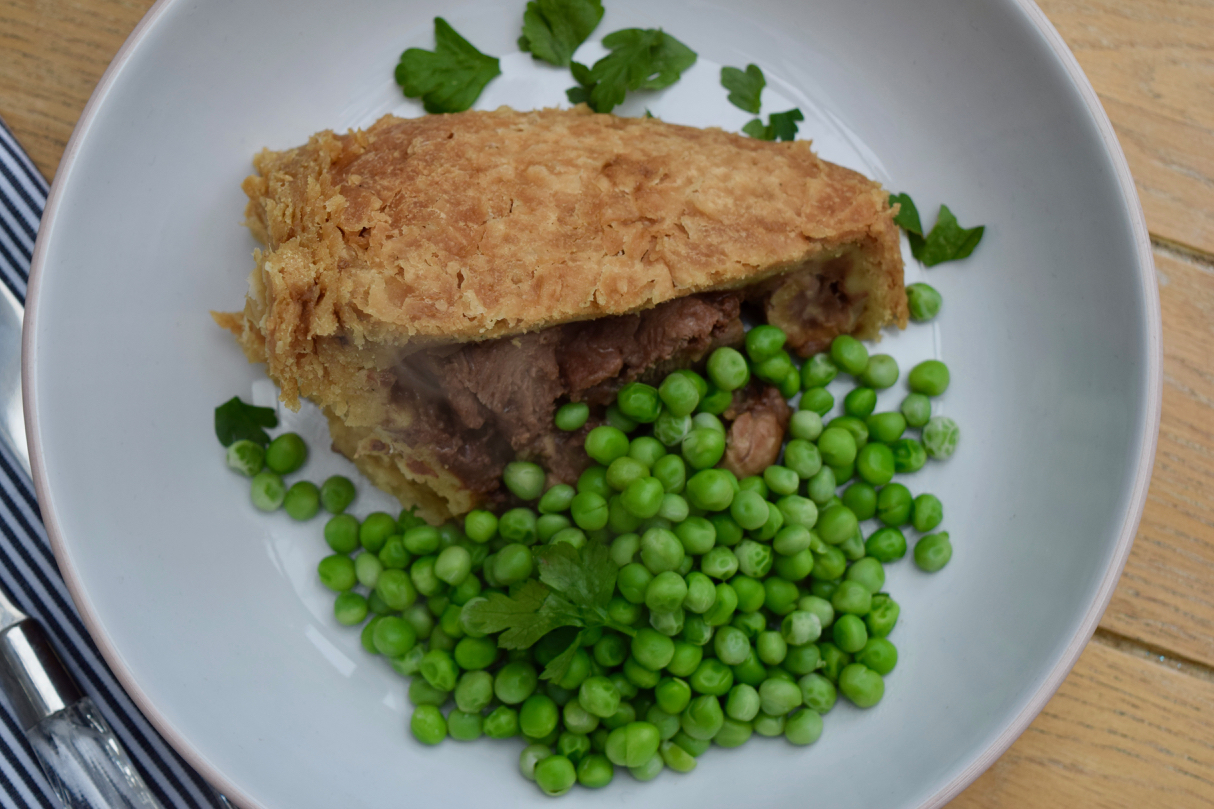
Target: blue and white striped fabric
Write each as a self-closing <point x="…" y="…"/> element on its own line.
<point x="29" y="575"/>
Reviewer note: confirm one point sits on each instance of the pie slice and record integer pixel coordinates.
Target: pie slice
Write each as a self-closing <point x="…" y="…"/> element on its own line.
<point x="440" y="285"/>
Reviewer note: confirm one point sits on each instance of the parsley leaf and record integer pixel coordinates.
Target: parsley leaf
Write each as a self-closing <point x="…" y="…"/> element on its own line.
<point x="449" y="78"/>
<point x="744" y="87"/>
<point x="640" y="59"/>
<point x="947" y="241"/>
<point x="782" y="126"/>
<point x="553" y="29"/>
<point x="235" y="420"/>
<point x="908" y="215"/>
<point x="578" y="587"/>
<point x="558" y="667"/>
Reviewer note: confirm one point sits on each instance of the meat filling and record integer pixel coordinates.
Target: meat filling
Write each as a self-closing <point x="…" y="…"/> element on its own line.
<point x="478" y="406"/>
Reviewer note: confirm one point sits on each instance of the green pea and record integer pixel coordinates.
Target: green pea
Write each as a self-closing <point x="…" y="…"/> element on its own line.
<point x="710" y="489"/>
<point x="849" y="354"/>
<point x="767" y="725"/>
<point x="337" y="572"/>
<point x="727" y="369"/>
<point x="743" y="703"/>
<point x="532" y="755"/>
<point x="794" y="567"/>
<point x="474" y="691"/>
<point x="539" y="716"/>
<point x="923" y="301"/>
<point x="778" y="697"/>
<point x="754" y="559"/>
<point x="833" y="661"/>
<point x="933" y="552"/>
<point x="703" y="448"/>
<point x="375" y="530"/>
<point x="464" y="727"/>
<point x="577" y="719"/>
<point x="803" y="659"/>
<point x="909" y="455"/>
<point x="803" y="727"/>
<point x="703" y="718"/>
<point x="595" y="771"/>
<point x="350" y="609"/>
<point x="341" y="533"/>
<point x="817" y="692"/>
<point x="749" y="510"/>
<point x="791" y="540"/>
<point x="501" y="723"/>
<point x="940" y="437"/>
<point x="750" y="592"/>
<point x="573" y="746"/>
<point x="849" y="633"/>
<point x="771" y="647"/>
<point x="571" y="416"/>
<point x="894" y="503"/>
<point x="790" y="385"/>
<point x="589" y="511"/>
<point x="800" y="627"/>
<point x="679" y="394"/>
<point x="670" y="429"/>
<point x="817" y="400"/>
<point x="754" y="483"/>
<point x="764" y="342"/>
<point x="453" y="565"/>
<point x="886" y="427"/>
<point x="860" y="402"/>
<point x="246" y="457"/>
<point x="836" y="523"/>
<point x="666" y="593"/>
<point x="929" y="377"/>
<point x="781" y="480"/>
<point x="661" y="550"/>
<point x="780" y="596"/>
<point x="860" y="684"/>
<point x="881" y="372"/>
<point x="853" y="425"/>
<point x="818" y="371"/>
<point x="917" y="409"/>
<point x="642" y="497"/>
<point x="861" y="498"/>
<point x="671" y="471"/>
<point x="555" y="775"/>
<point x="267" y="491"/>
<point x="336" y="494"/>
<point x="515" y="682"/>
<point x="875" y="463"/>
<point x="639" y="402"/>
<point x="821" y="487"/>
<point x="416" y="615"/>
<point x="926" y="513"/>
<point x="428" y="724"/>
<point x="474" y="654"/>
<point x="367" y="568"/>
<point x="879" y="655"/>
<point x="851" y="597"/>
<point x="838" y="446"/>
<point x="886" y="545"/>
<point x="524" y="480"/>
<point x="775" y="369"/>
<point x="286" y="453"/>
<point x="302" y="501"/>
<point x="604" y="444"/>
<point x="687" y="654"/>
<point x="728" y="532"/>
<point x="632" y="581"/>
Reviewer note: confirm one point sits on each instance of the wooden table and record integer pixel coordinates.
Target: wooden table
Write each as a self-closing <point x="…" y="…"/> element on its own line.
<point x="1133" y="725"/>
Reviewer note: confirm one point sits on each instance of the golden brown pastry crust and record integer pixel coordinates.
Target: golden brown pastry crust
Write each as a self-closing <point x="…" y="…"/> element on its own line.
<point x="479" y="224"/>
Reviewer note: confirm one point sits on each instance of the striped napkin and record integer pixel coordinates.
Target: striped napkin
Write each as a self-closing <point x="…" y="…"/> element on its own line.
<point x="29" y="575"/>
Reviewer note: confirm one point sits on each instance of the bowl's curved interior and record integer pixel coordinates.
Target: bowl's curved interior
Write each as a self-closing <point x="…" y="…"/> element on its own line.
<point x="210" y="612"/>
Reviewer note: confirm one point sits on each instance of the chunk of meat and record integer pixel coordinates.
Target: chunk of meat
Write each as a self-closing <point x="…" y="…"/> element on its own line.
<point x="813" y="306"/>
<point x="760" y="416"/>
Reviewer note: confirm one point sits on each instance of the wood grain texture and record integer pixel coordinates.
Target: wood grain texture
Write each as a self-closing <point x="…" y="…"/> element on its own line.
<point x="1165" y="598"/>
<point x="1126" y="729"/>
<point x="1152" y="64"/>
<point x="52" y="53"/>
<point x="1123" y="732"/>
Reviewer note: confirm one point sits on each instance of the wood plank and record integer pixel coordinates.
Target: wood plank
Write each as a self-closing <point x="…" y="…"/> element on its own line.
<point x="1152" y="64"/>
<point x="1123" y="732"/>
<point x="52" y="54"/>
<point x="1165" y="598"/>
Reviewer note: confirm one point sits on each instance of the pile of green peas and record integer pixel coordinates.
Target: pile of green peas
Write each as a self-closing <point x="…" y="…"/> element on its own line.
<point x="755" y="603"/>
<point x="268" y="491"/>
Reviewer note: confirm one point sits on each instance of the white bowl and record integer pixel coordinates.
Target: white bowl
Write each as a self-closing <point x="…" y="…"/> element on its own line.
<point x="210" y="613"/>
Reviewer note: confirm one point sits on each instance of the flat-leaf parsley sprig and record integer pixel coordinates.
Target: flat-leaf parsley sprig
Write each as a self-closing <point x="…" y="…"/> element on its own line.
<point x="640" y="59"/>
<point x="575" y="590"/>
<point x="745" y="90"/>
<point x="451" y="77"/>
<point x="553" y="29"/>
<point x="947" y="240"/>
